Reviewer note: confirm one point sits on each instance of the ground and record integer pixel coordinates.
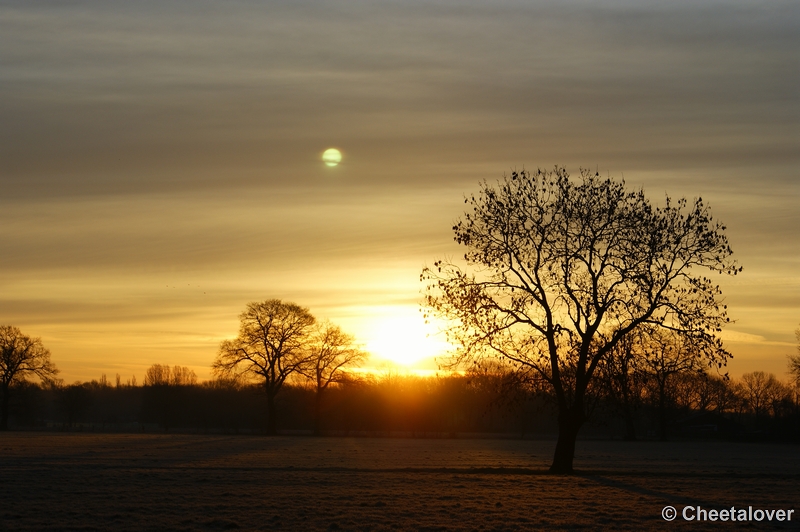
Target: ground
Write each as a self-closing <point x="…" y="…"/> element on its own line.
<point x="202" y="482"/>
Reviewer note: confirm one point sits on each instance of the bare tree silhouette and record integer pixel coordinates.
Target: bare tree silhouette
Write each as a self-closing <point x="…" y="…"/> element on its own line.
<point x="272" y="345"/>
<point x="331" y="351"/>
<point x="563" y="271"/>
<point x="761" y="391"/>
<point x="666" y="355"/>
<point x="163" y="375"/>
<point x="164" y="393"/>
<point x="20" y="357"/>
<point x="624" y="379"/>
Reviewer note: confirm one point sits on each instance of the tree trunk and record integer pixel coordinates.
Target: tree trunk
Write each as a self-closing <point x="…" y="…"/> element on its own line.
<point x="569" y="423"/>
<point x="4" y="409"/>
<point x="272" y="425"/>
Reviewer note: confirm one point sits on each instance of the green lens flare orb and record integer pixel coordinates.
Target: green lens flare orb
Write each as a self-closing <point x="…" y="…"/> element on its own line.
<point x="332" y="157"/>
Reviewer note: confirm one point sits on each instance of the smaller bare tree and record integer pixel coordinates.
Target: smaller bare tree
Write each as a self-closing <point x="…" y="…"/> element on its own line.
<point x="331" y="351"/>
<point x="163" y="375"/>
<point x="272" y="345"/>
<point x="20" y="357"/>
<point x="724" y="395"/>
<point x="624" y="379"/>
<point x="668" y="354"/>
<point x="183" y="376"/>
<point x="761" y="390"/>
<point x="157" y="375"/>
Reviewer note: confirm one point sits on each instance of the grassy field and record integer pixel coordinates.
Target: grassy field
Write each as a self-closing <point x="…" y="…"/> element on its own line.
<point x="190" y="482"/>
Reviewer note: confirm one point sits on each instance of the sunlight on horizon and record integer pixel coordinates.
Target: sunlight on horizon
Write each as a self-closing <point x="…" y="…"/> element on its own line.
<point x="401" y="336"/>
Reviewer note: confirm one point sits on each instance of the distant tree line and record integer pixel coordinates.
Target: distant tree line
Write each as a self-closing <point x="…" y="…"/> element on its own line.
<point x="650" y="386"/>
<point x="483" y="401"/>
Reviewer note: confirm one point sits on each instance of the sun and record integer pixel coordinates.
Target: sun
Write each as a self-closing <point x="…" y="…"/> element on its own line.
<point x="403" y="338"/>
<point x="332" y="157"/>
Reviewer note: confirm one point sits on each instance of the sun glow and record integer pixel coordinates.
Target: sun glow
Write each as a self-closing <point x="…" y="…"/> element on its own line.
<point x="403" y="337"/>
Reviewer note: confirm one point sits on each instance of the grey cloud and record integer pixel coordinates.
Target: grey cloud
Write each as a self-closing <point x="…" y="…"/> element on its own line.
<point x="152" y="95"/>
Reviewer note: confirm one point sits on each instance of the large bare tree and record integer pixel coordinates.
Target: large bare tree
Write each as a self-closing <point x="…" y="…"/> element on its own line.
<point x="20" y="357"/>
<point x="331" y="351"/>
<point x="562" y="271"/>
<point x="273" y="344"/>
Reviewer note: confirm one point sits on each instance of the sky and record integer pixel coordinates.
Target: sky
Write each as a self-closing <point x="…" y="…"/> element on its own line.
<point x="160" y="161"/>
